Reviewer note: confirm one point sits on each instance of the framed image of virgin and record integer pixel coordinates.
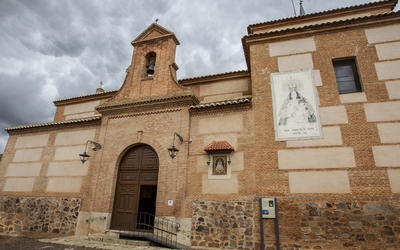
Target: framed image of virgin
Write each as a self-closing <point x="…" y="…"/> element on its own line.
<point x="295" y="104"/>
<point x="219" y="165"/>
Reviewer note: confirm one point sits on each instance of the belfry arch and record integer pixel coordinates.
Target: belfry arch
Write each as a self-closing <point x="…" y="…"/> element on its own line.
<point x="150" y="63"/>
<point x="136" y="187"/>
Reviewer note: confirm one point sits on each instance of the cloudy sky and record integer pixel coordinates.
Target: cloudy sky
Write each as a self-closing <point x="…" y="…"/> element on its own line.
<point x="56" y="49"/>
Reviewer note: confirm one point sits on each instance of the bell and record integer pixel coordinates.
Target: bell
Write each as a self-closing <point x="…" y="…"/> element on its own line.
<point x="150" y="69"/>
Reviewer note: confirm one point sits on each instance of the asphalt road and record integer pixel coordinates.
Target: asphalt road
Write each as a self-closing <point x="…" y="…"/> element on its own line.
<point x="28" y="243"/>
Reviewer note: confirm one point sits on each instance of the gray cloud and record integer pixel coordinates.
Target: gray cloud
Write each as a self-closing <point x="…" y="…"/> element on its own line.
<point x="51" y="50"/>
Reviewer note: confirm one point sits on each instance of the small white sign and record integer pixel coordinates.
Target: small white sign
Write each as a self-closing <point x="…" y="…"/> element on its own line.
<point x="170" y="202"/>
<point x="268" y="207"/>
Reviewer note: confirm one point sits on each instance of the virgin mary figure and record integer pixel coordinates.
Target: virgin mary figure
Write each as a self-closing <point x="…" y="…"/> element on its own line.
<point x="295" y="108"/>
<point x="219" y="166"/>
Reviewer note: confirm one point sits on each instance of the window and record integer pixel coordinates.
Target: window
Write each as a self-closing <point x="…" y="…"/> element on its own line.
<point x="347" y="78"/>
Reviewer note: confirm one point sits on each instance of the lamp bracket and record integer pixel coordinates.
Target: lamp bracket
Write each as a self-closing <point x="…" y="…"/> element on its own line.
<point x="96" y="146"/>
<point x="172" y="150"/>
<point x="84" y="156"/>
<point x="179" y="137"/>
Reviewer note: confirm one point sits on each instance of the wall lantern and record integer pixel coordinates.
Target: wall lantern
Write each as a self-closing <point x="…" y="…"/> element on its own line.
<point x="95" y="146"/>
<point x="172" y="150"/>
<point x="219" y="147"/>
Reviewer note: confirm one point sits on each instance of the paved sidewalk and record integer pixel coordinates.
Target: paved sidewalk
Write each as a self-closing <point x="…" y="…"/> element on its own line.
<point x="101" y="243"/>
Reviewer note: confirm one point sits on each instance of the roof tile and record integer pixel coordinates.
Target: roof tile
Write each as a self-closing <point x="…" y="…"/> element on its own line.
<point x="77" y="97"/>
<point x="219" y="146"/>
<point x="222" y="103"/>
<point x="86" y="119"/>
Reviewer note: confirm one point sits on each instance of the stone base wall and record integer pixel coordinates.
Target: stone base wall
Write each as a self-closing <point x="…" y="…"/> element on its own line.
<point x="349" y="224"/>
<point x="39" y="214"/>
<point x="304" y="223"/>
<point x="219" y="224"/>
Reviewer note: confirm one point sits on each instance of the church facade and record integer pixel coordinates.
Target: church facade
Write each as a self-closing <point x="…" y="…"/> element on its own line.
<point x="313" y="124"/>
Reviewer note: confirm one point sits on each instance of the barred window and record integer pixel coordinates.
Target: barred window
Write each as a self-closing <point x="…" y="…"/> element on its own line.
<point x="347" y="78"/>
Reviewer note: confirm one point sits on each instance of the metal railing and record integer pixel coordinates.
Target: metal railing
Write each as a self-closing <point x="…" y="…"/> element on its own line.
<point x="151" y="227"/>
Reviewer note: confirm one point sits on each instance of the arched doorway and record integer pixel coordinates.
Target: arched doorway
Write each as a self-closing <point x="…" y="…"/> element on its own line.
<point x="136" y="189"/>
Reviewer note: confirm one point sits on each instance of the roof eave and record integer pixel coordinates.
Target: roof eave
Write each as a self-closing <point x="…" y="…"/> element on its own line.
<point x="52" y="124"/>
<point x="237" y="101"/>
<point x="325" y="14"/>
<point x="89" y="97"/>
<point x="215" y="77"/>
<point x="308" y="30"/>
<point x="146" y="103"/>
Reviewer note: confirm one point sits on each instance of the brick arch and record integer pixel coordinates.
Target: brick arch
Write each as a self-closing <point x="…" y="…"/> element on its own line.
<point x="122" y="149"/>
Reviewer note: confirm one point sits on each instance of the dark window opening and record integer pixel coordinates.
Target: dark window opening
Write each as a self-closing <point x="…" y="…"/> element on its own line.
<point x="347" y="78"/>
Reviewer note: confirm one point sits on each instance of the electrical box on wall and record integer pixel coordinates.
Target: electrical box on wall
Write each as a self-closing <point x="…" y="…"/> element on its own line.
<point x="268" y="207"/>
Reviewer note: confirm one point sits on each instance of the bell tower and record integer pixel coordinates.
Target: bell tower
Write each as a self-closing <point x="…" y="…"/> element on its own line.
<point x="152" y="72"/>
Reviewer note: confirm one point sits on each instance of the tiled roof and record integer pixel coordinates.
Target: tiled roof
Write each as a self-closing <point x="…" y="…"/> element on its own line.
<point x="86" y="119"/>
<point x="311" y="27"/>
<point x="219" y="74"/>
<point x="94" y="94"/>
<point x="320" y="13"/>
<point x="180" y="80"/>
<point x="328" y="23"/>
<point x="219" y="146"/>
<point x="222" y="103"/>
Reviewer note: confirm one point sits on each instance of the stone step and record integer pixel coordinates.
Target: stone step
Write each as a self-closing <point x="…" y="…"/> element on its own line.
<point x="99" y="241"/>
<point x="114" y="238"/>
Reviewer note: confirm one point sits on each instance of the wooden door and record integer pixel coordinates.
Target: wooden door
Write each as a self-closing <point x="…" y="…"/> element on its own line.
<point x="138" y="169"/>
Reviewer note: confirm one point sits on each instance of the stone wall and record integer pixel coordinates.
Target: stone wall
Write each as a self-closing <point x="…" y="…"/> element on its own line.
<point x="219" y="224"/>
<point x="304" y="223"/>
<point x="338" y="223"/>
<point x="39" y="214"/>
<point x="348" y="224"/>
